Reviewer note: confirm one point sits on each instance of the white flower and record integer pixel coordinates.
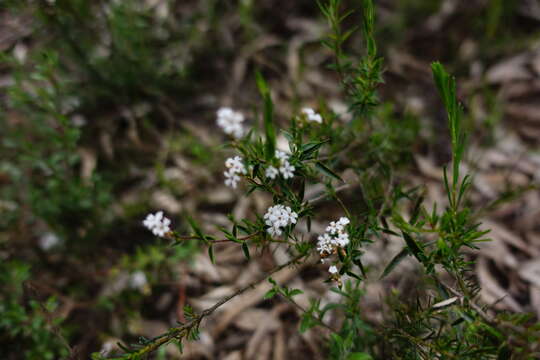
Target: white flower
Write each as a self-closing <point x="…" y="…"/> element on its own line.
<point x="230" y="121"/>
<point x="162" y="228"/>
<point x="282" y="155"/>
<point x="273" y="231"/>
<point x="334" y="227"/>
<point x="49" y="241"/>
<point x="324" y="244"/>
<point x="271" y="172"/>
<point x="152" y="219"/>
<point x="335" y="236"/>
<point x="235" y="166"/>
<point x="332" y="270"/>
<point x="342" y="239"/>
<point x="157" y="223"/>
<point x="231" y="179"/>
<point x="337" y="226"/>
<point x="137" y="280"/>
<point x="278" y="217"/>
<point x="311" y="115"/>
<point x="287" y="170"/>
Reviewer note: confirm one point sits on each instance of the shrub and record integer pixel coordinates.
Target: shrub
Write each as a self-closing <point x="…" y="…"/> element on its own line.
<point x="321" y="146"/>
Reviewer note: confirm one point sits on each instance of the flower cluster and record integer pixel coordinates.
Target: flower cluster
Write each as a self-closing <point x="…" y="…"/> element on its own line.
<point x="285" y="167"/>
<point x="157" y="223"/>
<point x="277" y="217"/>
<point x="311" y="115"/>
<point x="334" y="237"/>
<point x="231" y="122"/>
<point x="235" y="166"/>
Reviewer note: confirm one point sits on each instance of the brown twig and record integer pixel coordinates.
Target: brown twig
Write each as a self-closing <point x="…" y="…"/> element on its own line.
<point x="322" y="196"/>
<point x="193" y="237"/>
<point x="181" y="331"/>
<point x="487" y="318"/>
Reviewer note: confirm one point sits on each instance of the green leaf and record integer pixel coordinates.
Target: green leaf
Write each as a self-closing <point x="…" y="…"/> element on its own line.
<point x="211" y="254"/>
<point x="326" y="171"/>
<point x="295" y="292"/>
<point x="269" y="130"/>
<point x="308" y="150"/>
<point x="196" y="229"/>
<point x="358" y="263"/>
<point x="446" y="85"/>
<point x="414" y="247"/>
<point x="416" y="210"/>
<point x="307" y="322"/>
<point x="230" y="237"/>
<point x="269" y="294"/>
<point x="359" y="356"/>
<point x="390" y="232"/>
<point x="245" y="249"/>
<point x="302" y="190"/>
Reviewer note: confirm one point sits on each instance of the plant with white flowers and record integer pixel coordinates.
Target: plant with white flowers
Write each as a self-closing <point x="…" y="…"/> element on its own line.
<point x="231" y="122"/>
<point x="278" y="217"/>
<point x="283" y="166"/>
<point x="311" y="115"/>
<point x="235" y="168"/>
<point x="157" y="223"/>
<point x="334" y="238"/>
<point x="294" y="180"/>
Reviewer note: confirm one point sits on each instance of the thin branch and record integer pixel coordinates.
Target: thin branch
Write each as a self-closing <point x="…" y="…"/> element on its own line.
<point x="487" y="318"/>
<point x="193" y="237"/>
<point x="324" y="195"/>
<point x="181" y="331"/>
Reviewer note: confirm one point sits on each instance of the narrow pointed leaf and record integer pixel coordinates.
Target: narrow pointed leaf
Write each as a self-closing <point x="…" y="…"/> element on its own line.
<point x="395" y="261"/>
<point x="326" y="171"/>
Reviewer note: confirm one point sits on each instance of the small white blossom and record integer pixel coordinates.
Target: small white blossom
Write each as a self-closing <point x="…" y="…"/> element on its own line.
<point x="271" y="172"/>
<point x="49" y="241"/>
<point x="231" y="179"/>
<point x="311" y="115"/>
<point x="235" y="166"/>
<point x="278" y="217"/>
<point x="342" y="239"/>
<point x="334" y="227"/>
<point x="287" y="170"/>
<point x="157" y="223"/>
<point x="337" y="226"/>
<point x="230" y="121"/>
<point x="332" y="270"/>
<point x="138" y="280"/>
<point x="282" y="155"/>
<point x="274" y="231"/>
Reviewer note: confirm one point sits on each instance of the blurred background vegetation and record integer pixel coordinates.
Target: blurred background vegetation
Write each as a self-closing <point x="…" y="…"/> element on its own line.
<point x="108" y="113"/>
